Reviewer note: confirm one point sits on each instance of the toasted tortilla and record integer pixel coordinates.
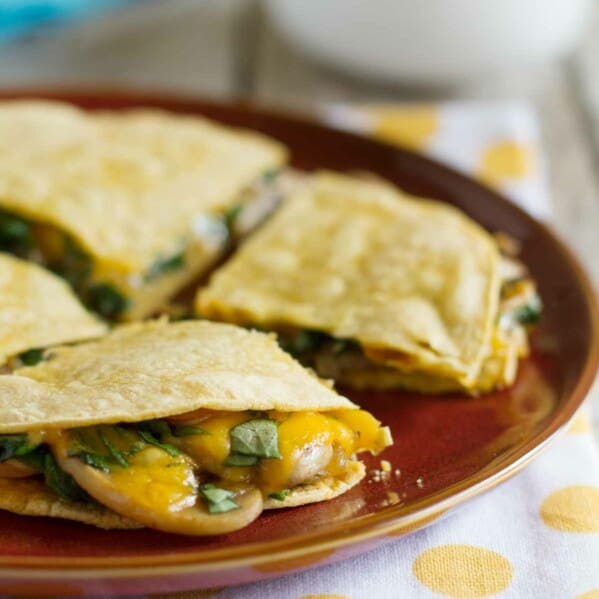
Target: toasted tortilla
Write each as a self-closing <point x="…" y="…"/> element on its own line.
<point x="126" y="186"/>
<point x="38" y="309"/>
<point x="156" y="369"/>
<point x="498" y="371"/>
<point x="415" y="282"/>
<point x="151" y="370"/>
<point x="322" y="490"/>
<point x="31" y="497"/>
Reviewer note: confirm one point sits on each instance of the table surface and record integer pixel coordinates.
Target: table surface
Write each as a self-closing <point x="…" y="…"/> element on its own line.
<point x="227" y="48"/>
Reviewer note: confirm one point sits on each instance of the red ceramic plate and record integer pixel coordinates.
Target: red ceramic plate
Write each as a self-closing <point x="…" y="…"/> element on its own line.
<point x="448" y="449"/>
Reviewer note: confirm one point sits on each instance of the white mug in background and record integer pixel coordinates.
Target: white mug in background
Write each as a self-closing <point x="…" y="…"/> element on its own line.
<point x="431" y="41"/>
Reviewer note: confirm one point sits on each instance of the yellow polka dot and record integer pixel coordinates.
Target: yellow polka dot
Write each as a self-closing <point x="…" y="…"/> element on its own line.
<point x="504" y="160"/>
<point x="580" y="424"/>
<point x="463" y="571"/>
<point x="410" y="126"/>
<point x="594" y="594"/>
<point x="572" y="509"/>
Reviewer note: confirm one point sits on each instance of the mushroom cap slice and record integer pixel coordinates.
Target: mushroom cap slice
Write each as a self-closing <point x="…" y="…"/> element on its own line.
<point x="158" y="491"/>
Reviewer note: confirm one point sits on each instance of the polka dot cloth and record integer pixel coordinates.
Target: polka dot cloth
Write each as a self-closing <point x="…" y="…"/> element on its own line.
<point x="463" y="570"/>
<point x="496" y="142"/>
<point x="537" y="535"/>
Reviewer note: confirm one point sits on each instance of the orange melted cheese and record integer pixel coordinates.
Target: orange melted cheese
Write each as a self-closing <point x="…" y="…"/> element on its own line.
<point x="297" y="431"/>
<point x="349" y="431"/>
<point x="210" y="450"/>
<point x="368" y="433"/>
<point x="157" y="481"/>
<point x="154" y="481"/>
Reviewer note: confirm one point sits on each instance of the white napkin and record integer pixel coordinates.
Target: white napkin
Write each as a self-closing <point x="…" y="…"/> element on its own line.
<point x="536" y="535"/>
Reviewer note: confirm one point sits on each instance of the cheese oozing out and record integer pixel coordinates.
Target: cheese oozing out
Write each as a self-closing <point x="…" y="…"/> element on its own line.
<point x="338" y="435"/>
<point x="207" y="472"/>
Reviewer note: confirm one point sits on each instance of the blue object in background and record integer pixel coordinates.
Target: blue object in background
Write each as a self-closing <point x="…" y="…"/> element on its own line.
<point x="22" y="16"/>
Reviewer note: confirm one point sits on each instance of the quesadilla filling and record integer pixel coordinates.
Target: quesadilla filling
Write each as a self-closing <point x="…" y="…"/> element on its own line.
<point x="402" y="292"/>
<point x="31" y="357"/>
<point x="205" y="472"/>
<point x="345" y="361"/>
<point x="111" y="293"/>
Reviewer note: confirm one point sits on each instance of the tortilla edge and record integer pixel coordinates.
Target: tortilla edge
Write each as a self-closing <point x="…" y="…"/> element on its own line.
<point x="31" y="497"/>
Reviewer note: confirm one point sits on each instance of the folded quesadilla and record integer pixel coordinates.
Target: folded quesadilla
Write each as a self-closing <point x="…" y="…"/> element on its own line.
<point x="377" y="289"/>
<point x="127" y="206"/>
<point x="190" y="427"/>
<point x="37" y="310"/>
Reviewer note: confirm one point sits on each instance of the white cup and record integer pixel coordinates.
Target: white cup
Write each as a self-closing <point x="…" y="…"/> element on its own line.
<point x="431" y="41"/>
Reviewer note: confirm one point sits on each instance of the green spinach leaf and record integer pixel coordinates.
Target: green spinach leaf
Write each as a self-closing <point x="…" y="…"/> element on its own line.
<point x="14" y="446"/>
<point x="189" y="431"/>
<point x="75" y="265"/>
<point x="231" y="215"/>
<point x="257" y="438"/>
<point x="117" y="455"/>
<point x="31" y="357"/>
<point x="303" y="342"/>
<point x="218" y="500"/>
<point x="530" y="313"/>
<point x="280" y="495"/>
<point x="15" y="234"/>
<point x="93" y="447"/>
<point x="164" y="265"/>
<point x="238" y="459"/>
<point x="95" y="460"/>
<point x="106" y="300"/>
<point x="152" y="440"/>
<point x="270" y="175"/>
<point x="340" y="346"/>
<point x="158" y="428"/>
<point x="60" y="482"/>
<point x="36" y="458"/>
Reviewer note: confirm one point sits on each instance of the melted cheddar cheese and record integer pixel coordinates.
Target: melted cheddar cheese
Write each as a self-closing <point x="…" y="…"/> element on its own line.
<point x="210" y="450"/>
<point x="298" y="432"/>
<point x="157" y="481"/>
<point x="349" y="431"/>
<point x="176" y="474"/>
<point x="149" y="478"/>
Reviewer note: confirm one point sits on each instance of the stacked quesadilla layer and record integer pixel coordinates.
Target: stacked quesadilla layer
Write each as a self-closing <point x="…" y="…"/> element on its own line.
<point x="378" y="289"/>
<point x="127" y="206"/>
<point x="38" y="309"/>
<point x="189" y="427"/>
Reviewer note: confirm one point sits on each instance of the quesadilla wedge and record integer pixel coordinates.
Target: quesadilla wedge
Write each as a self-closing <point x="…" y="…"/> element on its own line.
<point x="127" y="206"/>
<point x="377" y="289"/>
<point x="37" y="310"/>
<point x="190" y="427"/>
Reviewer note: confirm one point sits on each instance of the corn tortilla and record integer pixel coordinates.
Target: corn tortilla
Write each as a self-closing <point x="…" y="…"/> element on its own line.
<point x="155" y="369"/>
<point x="38" y="309"/>
<point x="415" y="282"/>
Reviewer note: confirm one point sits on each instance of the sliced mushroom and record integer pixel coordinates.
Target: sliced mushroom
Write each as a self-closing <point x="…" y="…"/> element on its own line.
<point x="193" y="418"/>
<point x="157" y="490"/>
<point x="310" y="461"/>
<point x="15" y="469"/>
